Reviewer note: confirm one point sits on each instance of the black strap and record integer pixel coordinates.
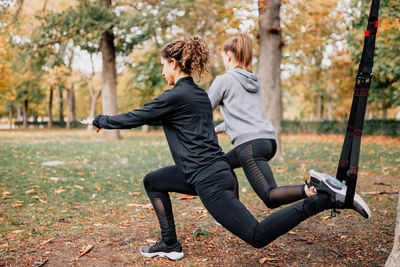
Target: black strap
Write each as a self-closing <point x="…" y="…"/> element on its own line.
<point x="348" y="163"/>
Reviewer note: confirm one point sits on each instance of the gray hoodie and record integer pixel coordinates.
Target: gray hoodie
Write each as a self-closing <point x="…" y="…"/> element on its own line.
<point x="238" y="94"/>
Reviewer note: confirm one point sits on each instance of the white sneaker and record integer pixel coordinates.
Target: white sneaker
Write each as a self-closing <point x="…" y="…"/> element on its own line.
<point x="337" y="191"/>
<point x="160" y="249"/>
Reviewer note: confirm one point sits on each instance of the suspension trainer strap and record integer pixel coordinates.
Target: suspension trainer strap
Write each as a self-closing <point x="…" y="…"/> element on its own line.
<point x="348" y="163"/>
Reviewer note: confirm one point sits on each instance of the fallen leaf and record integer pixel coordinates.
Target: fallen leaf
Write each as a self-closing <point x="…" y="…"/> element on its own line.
<point x="147" y="206"/>
<point x="46" y="241"/>
<point x="133" y="205"/>
<point x="41" y="263"/>
<point x="59" y="190"/>
<point x="186" y="197"/>
<point x="52" y="163"/>
<point x="31" y="191"/>
<point x="135" y="193"/>
<point x="261" y="261"/>
<point x="298" y="238"/>
<point x="79" y="187"/>
<point x="16" y="231"/>
<point x="18" y="205"/>
<point x="84" y="250"/>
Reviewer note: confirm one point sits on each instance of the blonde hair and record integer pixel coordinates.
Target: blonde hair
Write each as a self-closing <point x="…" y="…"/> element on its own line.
<point x="192" y="55"/>
<point x="242" y="49"/>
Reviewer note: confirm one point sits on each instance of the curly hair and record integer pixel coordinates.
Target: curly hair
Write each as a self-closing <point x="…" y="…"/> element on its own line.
<point x="192" y="55"/>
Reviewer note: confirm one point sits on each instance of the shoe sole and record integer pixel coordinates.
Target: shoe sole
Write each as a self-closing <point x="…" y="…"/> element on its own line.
<point x="340" y="190"/>
<point x="174" y="256"/>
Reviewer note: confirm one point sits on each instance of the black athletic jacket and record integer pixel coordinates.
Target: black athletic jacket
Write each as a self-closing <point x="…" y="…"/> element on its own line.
<point x="186" y="116"/>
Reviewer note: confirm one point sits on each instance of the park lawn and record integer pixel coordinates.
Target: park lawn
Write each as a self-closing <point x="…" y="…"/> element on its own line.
<point x="96" y="197"/>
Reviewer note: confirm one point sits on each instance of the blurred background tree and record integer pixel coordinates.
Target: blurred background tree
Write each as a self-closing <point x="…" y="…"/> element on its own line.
<point x="43" y="45"/>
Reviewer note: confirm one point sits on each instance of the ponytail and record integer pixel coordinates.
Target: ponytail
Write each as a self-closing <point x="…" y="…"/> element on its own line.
<point x="192" y="54"/>
<point x="242" y="49"/>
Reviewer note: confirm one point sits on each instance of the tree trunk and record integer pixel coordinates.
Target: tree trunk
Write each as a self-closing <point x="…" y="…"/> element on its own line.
<point x="94" y="95"/>
<point x="270" y="50"/>
<point x="25" y="114"/>
<point x="384" y="108"/>
<point x="321" y="107"/>
<point x="109" y="76"/>
<point x="145" y="128"/>
<point x="394" y="257"/>
<point x="384" y="112"/>
<point x="68" y="125"/>
<point x="315" y="108"/>
<point x="50" y="123"/>
<point x="61" y="105"/>
<point x="330" y="108"/>
<point x="19" y="116"/>
<point x="73" y="104"/>
<point x="11" y="114"/>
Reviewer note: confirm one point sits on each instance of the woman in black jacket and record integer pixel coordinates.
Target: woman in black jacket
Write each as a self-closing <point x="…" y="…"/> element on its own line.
<point x="200" y="168"/>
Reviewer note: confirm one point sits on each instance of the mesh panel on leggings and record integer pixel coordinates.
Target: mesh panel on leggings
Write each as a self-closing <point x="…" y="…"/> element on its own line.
<point x="162" y="215"/>
<point x="286" y="194"/>
<point x="258" y="180"/>
<point x="271" y="195"/>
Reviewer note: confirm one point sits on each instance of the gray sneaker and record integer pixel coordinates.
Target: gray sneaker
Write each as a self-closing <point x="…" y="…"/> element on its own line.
<point x="160" y="249"/>
<point x="337" y="191"/>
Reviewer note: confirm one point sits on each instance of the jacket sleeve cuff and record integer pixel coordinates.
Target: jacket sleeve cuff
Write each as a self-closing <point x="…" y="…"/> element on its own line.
<point x="220" y="128"/>
<point x="95" y="122"/>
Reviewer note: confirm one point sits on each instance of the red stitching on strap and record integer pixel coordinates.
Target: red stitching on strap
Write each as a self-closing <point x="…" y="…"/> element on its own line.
<point x="342" y="163"/>
<point x="353" y="170"/>
<point x="357" y="133"/>
<point x="374" y="22"/>
<point x="361" y="92"/>
<point x="350" y="129"/>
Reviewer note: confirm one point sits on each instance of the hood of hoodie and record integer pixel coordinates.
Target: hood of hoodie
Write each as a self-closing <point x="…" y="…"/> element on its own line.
<point x="248" y="80"/>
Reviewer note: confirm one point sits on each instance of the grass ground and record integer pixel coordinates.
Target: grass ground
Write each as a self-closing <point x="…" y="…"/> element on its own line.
<point x="96" y="197"/>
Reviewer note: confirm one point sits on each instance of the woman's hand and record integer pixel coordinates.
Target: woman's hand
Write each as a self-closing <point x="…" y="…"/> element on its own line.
<point x="89" y="121"/>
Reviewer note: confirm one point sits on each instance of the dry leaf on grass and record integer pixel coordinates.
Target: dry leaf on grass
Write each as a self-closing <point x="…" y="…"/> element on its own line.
<point x="46" y="241"/>
<point x="85" y="249"/>
<point x="31" y="191"/>
<point x="186" y="197"/>
<point x="135" y="193"/>
<point x="261" y="261"/>
<point x="59" y="190"/>
<point x="16" y="231"/>
<point x="41" y="263"/>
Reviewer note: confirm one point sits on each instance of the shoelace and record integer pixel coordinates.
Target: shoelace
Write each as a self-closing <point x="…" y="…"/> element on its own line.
<point x="157" y="246"/>
<point x="334" y="211"/>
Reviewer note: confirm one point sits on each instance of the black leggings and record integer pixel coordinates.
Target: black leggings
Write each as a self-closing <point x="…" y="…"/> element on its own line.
<point x="216" y="193"/>
<point x="253" y="156"/>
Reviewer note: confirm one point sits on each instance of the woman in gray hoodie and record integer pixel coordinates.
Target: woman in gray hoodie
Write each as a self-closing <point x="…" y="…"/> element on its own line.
<point x="237" y="92"/>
